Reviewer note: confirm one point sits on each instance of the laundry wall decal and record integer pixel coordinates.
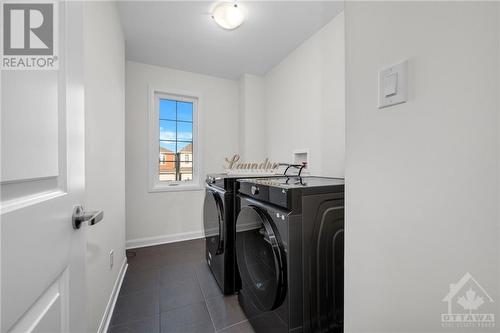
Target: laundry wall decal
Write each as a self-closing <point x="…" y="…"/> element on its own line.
<point x="234" y="163"/>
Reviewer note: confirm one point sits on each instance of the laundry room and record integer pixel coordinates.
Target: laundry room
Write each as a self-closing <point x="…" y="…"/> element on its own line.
<point x="249" y="166"/>
<point x="221" y="104"/>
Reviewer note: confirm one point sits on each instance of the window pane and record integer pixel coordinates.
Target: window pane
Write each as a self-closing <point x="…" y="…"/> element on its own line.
<point x="167" y="109"/>
<point x="185" y="111"/>
<point x="185" y="148"/>
<point x="186" y="171"/>
<point x="184" y="131"/>
<point x="167" y="130"/>
<point x="166" y="156"/>
<point x="166" y="175"/>
<point x="169" y="146"/>
<point x="167" y="165"/>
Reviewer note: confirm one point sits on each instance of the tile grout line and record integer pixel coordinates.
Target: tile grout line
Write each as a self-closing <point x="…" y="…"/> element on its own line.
<point x="134" y="321"/>
<point x="211" y="319"/>
<point x="185" y="305"/>
<point x="199" y="284"/>
<point x="204" y="299"/>
<point x="225" y="328"/>
<point x="206" y="305"/>
<point x="193" y="266"/>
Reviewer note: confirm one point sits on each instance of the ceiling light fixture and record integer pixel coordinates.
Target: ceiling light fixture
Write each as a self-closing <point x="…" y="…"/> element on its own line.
<point x="228" y="15"/>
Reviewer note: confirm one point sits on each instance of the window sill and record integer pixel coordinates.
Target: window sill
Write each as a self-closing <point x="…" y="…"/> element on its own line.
<point x="175" y="188"/>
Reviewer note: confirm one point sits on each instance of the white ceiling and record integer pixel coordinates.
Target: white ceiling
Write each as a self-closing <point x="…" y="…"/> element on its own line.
<point x="182" y="35"/>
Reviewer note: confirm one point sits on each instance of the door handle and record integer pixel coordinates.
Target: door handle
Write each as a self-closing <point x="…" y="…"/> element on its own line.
<point x="80" y="216"/>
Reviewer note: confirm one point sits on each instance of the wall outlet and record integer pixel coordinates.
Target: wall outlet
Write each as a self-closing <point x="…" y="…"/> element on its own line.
<point x="111" y="258"/>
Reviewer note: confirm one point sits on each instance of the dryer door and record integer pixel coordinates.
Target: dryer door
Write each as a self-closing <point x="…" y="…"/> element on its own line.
<point x="213" y="220"/>
<point x="261" y="259"/>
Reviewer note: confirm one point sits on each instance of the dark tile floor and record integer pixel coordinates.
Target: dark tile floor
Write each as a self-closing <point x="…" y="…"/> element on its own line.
<point x="169" y="288"/>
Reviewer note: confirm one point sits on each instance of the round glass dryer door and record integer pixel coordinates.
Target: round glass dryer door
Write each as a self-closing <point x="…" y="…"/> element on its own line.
<point x="260" y="258"/>
<point x="213" y="220"/>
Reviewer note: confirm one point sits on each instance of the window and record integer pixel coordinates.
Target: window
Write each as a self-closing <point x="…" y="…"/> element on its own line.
<point x="173" y="128"/>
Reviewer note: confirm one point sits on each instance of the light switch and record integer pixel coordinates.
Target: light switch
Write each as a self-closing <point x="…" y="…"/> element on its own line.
<point x="393" y="85"/>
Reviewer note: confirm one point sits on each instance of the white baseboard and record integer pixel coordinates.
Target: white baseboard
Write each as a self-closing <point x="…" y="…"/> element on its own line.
<point x="110" y="307"/>
<point x="157" y="240"/>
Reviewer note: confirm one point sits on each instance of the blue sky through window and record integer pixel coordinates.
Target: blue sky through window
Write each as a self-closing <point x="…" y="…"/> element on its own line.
<point x="169" y="145"/>
<point x="184" y="131"/>
<point x="176" y="124"/>
<point x="168" y="130"/>
<point x="167" y="109"/>
<point x="185" y="111"/>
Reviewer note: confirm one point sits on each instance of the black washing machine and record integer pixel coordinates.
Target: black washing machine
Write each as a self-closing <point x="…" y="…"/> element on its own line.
<point x="289" y="250"/>
<point x="219" y="218"/>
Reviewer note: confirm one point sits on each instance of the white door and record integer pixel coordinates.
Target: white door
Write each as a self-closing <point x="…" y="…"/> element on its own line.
<point x="42" y="179"/>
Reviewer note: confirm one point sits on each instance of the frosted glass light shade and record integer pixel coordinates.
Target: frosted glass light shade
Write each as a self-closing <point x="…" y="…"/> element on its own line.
<point x="228" y="15"/>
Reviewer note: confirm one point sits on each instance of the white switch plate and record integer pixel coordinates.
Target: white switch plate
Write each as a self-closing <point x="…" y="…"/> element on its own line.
<point x="393" y="85"/>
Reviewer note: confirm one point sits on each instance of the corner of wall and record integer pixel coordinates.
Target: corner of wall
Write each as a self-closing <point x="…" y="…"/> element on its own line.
<point x="252" y="113"/>
<point x="498" y="134"/>
<point x="241" y="116"/>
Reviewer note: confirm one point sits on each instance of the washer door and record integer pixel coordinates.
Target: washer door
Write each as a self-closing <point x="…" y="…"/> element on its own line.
<point x="213" y="220"/>
<point x="261" y="259"/>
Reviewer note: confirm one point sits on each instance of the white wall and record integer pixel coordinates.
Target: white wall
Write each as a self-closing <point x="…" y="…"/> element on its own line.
<point x="252" y="128"/>
<point x="165" y="216"/>
<point x="105" y="151"/>
<point x="305" y="102"/>
<point x="422" y="177"/>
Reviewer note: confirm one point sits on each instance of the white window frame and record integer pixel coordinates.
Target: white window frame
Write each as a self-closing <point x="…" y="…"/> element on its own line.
<point x="155" y="185"/>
